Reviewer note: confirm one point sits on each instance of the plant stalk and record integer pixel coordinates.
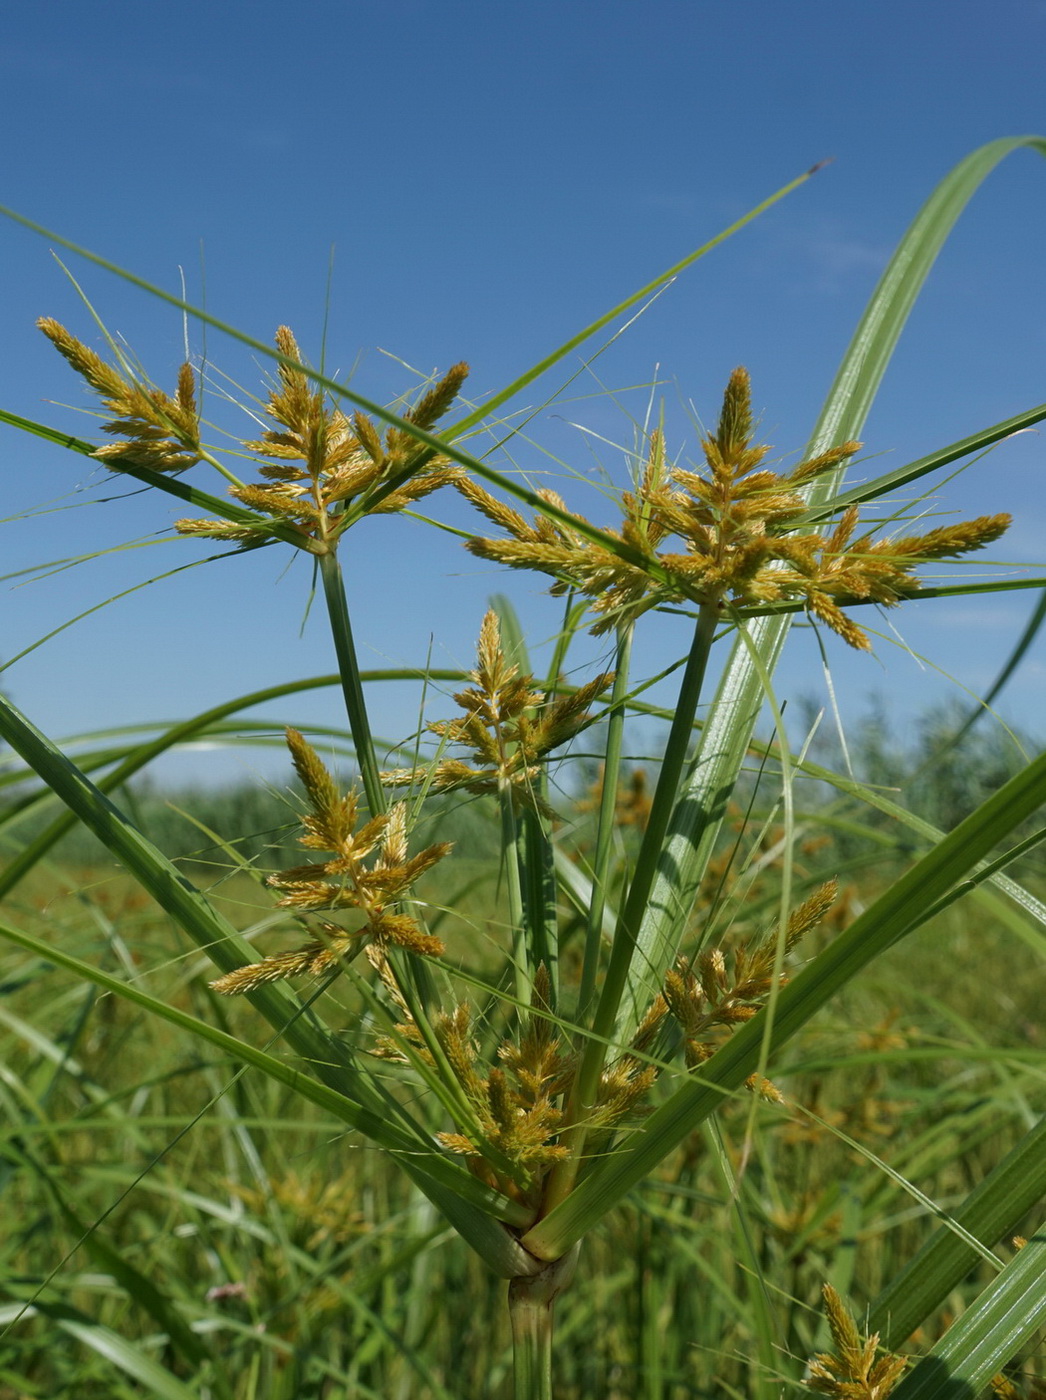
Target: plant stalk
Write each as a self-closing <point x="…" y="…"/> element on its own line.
<point x="351" y="686"/>
<point x="530" y="1303"/>
<point x="605" y="828"/>
<point x="586" y="1086"/>
<point x="512" y="854"/>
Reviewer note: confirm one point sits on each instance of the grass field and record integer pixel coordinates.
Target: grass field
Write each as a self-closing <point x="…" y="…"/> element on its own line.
<point x="309" y="1268"/>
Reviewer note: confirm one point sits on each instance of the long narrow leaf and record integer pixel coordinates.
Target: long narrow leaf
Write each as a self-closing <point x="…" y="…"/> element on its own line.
<point x="933" y="461"/>
<point x="892" y="916"/>
<point x="503" y="395"/>
<point x="739" y="701"/>
<point x="1003" y="1320"/>
<point x="153" y="1378"/>
<point x="192" y="495"/>
<point x="323" y="1053"/>
<point x="379" y="1129"/>
<point x="140" y="1290"/>
<point x="988" y="1213"/>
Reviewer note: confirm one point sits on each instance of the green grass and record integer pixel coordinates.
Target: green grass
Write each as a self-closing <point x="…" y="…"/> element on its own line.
<point x="199" y="1179"/>
<point x="561" y="1036"/>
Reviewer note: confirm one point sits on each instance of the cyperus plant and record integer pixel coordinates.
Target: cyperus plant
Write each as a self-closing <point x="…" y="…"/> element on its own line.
<point x="527" y="1096"/>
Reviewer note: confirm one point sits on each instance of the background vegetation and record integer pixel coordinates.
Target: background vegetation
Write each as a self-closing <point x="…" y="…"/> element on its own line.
<point x="318" y="1272"/>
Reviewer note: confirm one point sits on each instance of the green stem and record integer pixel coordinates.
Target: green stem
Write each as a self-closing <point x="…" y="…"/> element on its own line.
<point x="512" y="852"/>
<point x="606" y="826"/>
<point x="539" y="892"/>
<point x="586" y="1086"/>
<point x="412" y="974"/>
<point x="351" y="686"/>
<point x="573" y="616"/>
<point x="530" y="1302"/>
<point x="672" y="765"/>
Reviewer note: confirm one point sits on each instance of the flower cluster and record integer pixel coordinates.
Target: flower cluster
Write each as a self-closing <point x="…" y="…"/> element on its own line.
<point x="343" y="882"/>
<point x="853" y="1372"/>
<point x="516" y="1104"/>
<point x="744" y="546"/>
<point x="725" y="988"/>
<point x="319" y="460"/>
<point x="159" y="433"/>
<point x="508" y="724"/>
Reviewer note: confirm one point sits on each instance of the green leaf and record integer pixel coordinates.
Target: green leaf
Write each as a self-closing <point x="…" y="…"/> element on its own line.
<point x="108" y="1344"/>
<point x="192" y="495"/>
<point x="354" y="1094"/>
<point x="991" y="1210"/>
<point x="897" y="912"/>
<point x="140" y="1290"/>
<point x="934" y="461"/>
<point x="1004" y="1319"/>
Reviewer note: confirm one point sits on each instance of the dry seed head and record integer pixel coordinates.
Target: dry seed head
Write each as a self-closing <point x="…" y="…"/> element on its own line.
<point x="102" y="377"/>
<point x="1004" y="1389"/>
<point x="622" y="1087"/>
<point x="458" y="1143"/>
<point x="315" y="959"/>
<point x="404" y="931"/>
<point x="369" y="438"/>
<point x="811" y="912"/>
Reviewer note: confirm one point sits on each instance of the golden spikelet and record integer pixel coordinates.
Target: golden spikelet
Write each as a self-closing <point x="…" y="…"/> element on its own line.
<point x="508" y="725"/>
<point x="158" y="432"/>
<point x="727" y="987"/>
<point x="316" y="460"/>
<point x="737" y="522"/>
<point x="343" y="882"/>
<point x="515" y="1103"/>
<point x="852" y="1371"/>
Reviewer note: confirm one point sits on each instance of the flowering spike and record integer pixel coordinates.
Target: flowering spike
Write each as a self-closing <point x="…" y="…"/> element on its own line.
<point x="508" y="724"/>
<point x="852" y="1373"/>
<point x="159" y="433"/>
<point x="735" y="520"/>
<point x="314" y="457"/>
<point x="343" y="881"/>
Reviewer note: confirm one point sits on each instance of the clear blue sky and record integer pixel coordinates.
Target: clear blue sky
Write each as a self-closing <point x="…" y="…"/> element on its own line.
<point x="493" y="176"/>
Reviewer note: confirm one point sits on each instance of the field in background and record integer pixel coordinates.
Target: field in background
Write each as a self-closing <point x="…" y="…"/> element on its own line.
<point x="315" y="1269"/>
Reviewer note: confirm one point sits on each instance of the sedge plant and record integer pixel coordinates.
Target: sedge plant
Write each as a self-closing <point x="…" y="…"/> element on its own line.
<point x="526" y="1102"/>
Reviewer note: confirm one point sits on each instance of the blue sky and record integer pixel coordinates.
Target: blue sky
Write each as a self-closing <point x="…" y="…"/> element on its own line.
<point x="492" y="177"/>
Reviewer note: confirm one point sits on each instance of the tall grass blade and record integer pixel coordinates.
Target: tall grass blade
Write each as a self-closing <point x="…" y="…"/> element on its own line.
<point x="1003" y="1320"/>
<point x="991" y="1211"/>
<point x="324" y="1053"/>
<point x="124" y="1355"/>
<point x="381" y="1129"/>
<point x="1023" y="645"/>
<point x="503" y="395"/>
<point x="739" y="700"/>
<point x="893" y="915"/>
<point x="923" y="466"/>
<point x="192" y="495"/>
<point x="143" y="1292"/>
